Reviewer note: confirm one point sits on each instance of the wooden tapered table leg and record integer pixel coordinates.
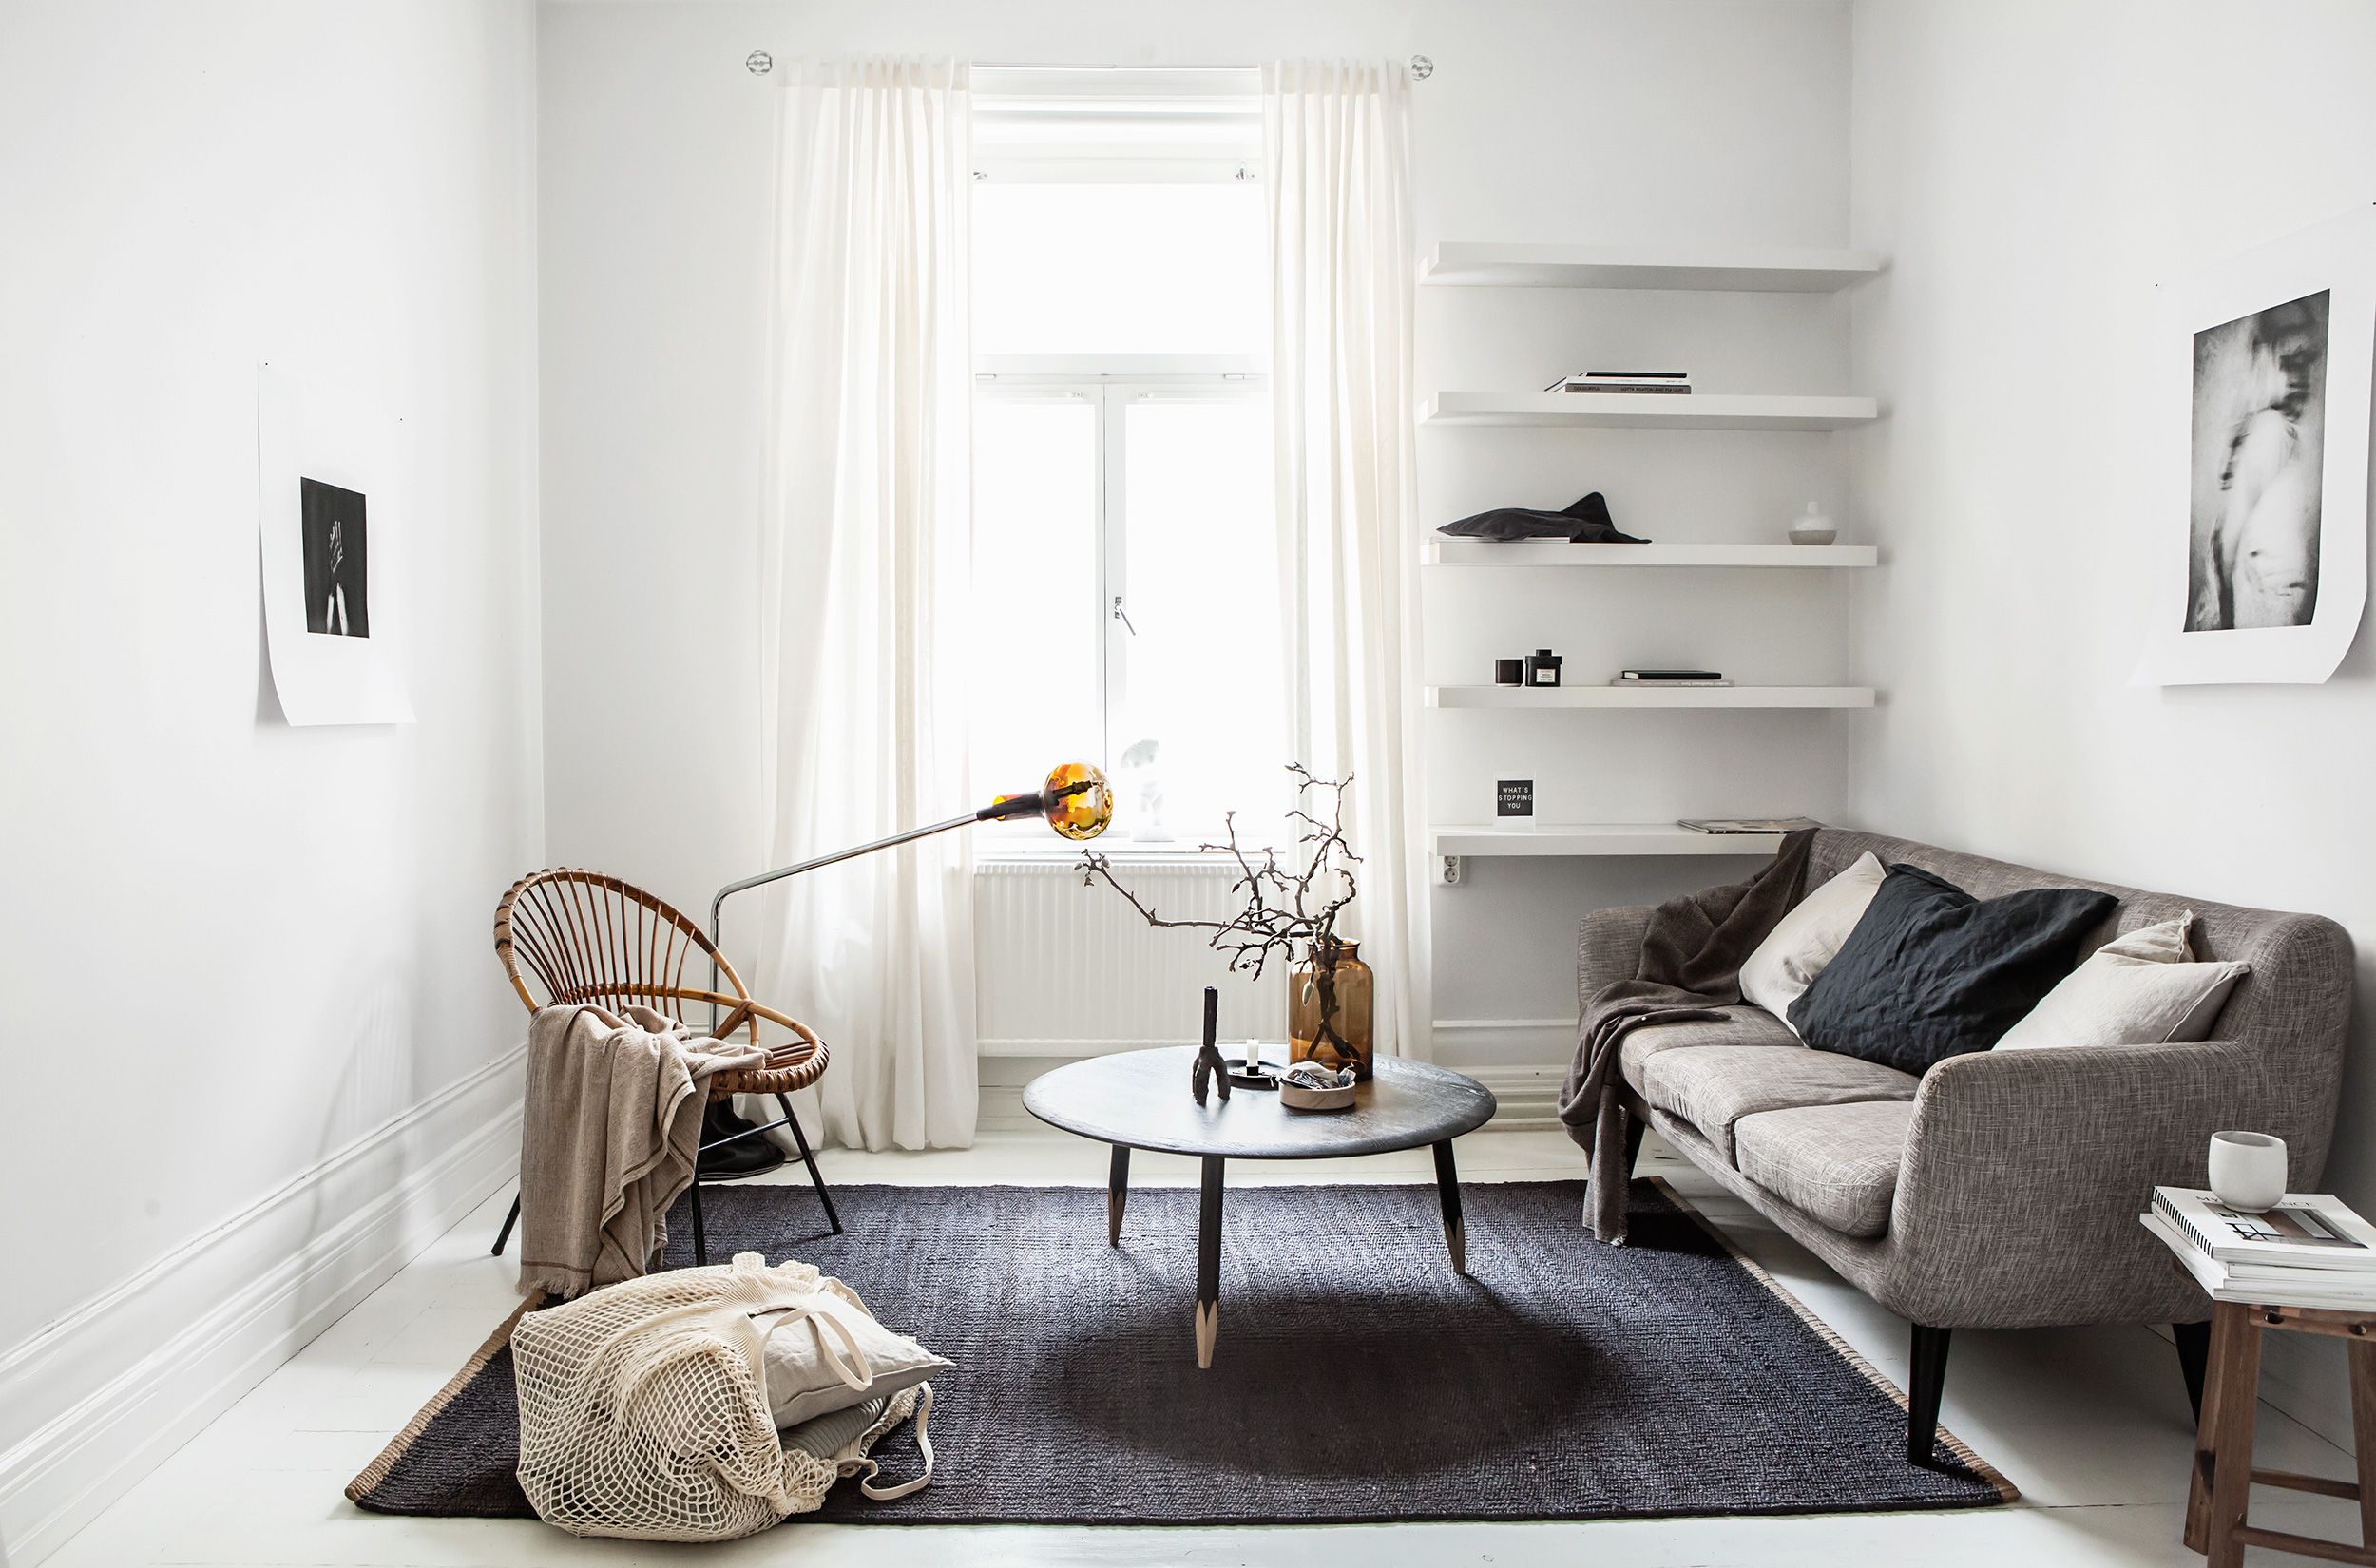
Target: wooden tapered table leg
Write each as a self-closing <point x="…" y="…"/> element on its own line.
<point x="1116" y="1194"/>
<point x="2236" y="1370"/>
<point x="2364" y="1430"/>
<point x="1447" y="1193"/>
<point x="1209" y="1261"/>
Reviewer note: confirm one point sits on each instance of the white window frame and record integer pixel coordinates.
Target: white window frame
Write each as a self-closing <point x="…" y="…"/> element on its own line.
<point x="1110" y="384"/>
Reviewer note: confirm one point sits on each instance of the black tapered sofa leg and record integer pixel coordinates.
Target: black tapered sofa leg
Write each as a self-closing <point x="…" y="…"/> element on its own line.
<point x="2193" y="1341"/>
<point x="1928" y="1380"/>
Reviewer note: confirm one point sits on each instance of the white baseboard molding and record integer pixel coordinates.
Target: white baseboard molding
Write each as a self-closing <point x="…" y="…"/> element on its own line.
<point x="78" y="1426"/>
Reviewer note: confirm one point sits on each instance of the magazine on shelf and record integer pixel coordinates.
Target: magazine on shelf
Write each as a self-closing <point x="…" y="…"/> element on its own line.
<point x="1747" y="824"/>
<point x="2341" y="1290"/>
<point x="2312" y="1230"/>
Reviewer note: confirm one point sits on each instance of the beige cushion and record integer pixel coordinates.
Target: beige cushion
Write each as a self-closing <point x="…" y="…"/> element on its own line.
<point x="1742" y="1025"/>
<point x="2137" y="989"/>
<point x="1839" y="1164"/>
<point x="1806" y="938"/>
<point x="1716" y="1085"/>
<point x="836" y="1357"/>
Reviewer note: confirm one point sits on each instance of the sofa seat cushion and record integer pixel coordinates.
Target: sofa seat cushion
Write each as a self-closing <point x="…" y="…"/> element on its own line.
<point x="1741" y="1025"/>
<point x="1715" y="1087"/>
<point x="1836" y="1163"/>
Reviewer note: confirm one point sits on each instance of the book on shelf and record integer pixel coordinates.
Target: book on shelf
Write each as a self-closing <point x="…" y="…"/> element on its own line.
<point x="1670" y="678"/>
<point x="2300" y="1231"/>
<point x="1624" y="381"/>
<point x="2338" y="1289"/>
<point x="1746" y="824"/>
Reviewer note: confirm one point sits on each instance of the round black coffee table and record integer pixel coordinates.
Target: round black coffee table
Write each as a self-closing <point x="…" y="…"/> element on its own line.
<point x="1141" y="1099"/>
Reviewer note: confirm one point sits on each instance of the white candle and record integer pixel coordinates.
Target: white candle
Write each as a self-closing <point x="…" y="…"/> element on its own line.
<point x="1254" y="1055"/>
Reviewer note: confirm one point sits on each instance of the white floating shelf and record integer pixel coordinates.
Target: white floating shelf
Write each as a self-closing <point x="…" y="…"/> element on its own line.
<point x="1593" y="838"/>
<point x="1650" y="696"/>
<point x="1649" y="410"/>
<point x="1741" y="268"/>
<point x="1558" y="552"/>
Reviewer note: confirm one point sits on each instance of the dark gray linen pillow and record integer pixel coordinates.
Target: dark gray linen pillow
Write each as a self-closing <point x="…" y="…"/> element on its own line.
<point x="1932" y="972"/>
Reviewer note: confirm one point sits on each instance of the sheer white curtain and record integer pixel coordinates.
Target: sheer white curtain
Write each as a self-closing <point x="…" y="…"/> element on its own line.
<point x="1336" y="151"/>
<point x="864" y="561"/>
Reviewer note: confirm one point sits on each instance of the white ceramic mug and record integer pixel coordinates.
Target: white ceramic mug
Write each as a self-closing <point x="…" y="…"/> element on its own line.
<point x="2248" y="1170"/>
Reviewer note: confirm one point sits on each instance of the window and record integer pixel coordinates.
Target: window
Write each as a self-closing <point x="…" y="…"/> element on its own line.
<point x="1125" y="554"/>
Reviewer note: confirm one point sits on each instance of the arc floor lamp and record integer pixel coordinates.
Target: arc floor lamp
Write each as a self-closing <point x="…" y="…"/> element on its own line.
<point x="1075" y="801"/>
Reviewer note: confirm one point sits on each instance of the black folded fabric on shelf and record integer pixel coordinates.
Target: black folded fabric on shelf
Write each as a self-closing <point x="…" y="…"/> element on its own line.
<point x="1586" y="522"/>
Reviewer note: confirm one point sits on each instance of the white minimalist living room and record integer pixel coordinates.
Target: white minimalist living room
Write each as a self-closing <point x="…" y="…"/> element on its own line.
<point x="1519" y="782"/>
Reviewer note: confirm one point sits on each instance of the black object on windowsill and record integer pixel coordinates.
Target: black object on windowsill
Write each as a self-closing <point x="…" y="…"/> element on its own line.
<point x="1587" y="522"/>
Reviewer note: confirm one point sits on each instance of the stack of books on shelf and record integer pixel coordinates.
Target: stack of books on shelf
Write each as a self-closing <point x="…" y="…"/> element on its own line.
<point x="1670" y="678"/>
<point x="2308" y="1251"/>
<point x="1673" y="382"/>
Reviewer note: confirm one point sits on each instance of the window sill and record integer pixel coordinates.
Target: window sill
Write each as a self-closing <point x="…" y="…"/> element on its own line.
<point x="994" y="857"/>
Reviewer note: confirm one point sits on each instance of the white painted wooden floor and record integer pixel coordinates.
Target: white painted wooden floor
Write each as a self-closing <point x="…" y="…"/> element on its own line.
<point x="2090" y="1423"/>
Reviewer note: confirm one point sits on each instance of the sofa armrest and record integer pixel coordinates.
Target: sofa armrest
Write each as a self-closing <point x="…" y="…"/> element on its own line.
<point x="2024" y="1171"/>
<point x="1608" y="947"/>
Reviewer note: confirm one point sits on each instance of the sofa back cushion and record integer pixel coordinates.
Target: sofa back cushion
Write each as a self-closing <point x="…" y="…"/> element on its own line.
<point x="1931" y="971"/>
<point x="2295" y="1003"/>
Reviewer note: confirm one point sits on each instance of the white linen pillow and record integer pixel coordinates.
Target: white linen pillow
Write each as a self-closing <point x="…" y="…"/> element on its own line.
<point x="836" y="1357"/>
<point x="1809" y="937"/>
<point x="2141" y="988"/>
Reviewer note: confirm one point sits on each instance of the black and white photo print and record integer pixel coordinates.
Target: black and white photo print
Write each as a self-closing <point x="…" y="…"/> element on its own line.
<point x="337" y="560"/>
<point x="2251" y="481"/>
<point x="2259" y="449"/>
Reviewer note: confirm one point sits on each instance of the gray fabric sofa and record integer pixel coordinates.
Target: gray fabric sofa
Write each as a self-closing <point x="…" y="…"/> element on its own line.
<point x="2000" y="1189"/>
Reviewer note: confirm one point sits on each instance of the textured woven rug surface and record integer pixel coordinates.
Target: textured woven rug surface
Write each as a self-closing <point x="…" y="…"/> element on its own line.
<point x="1357" y="1377"/>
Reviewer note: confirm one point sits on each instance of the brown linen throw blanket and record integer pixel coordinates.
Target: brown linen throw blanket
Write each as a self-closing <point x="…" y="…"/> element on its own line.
<point x="1692" y="953"/>
<point x="607" y="1141"/>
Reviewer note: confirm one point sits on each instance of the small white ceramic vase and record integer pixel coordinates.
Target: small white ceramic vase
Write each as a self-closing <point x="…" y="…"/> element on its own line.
<point x="2248" y="1170"/>
<point x="1812" y="527"/>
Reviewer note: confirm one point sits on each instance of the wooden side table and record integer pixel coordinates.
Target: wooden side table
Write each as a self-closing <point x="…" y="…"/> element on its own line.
<point x="2216" y="1499"/>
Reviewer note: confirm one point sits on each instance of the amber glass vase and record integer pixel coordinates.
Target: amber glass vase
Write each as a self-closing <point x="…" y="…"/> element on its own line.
<point x="1329" y="1012"/>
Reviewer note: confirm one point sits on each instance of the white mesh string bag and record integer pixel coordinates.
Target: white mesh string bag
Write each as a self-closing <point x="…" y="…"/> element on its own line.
<point x="644" y="1405"/>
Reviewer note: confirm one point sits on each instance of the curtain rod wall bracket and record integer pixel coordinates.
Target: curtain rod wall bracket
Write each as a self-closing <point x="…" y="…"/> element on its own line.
<point x="758" y="62"/>
<point x="1421" y="68"/>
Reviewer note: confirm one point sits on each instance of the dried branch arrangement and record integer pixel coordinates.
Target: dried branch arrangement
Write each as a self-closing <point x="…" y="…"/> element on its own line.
<point x="1284" y="908"/>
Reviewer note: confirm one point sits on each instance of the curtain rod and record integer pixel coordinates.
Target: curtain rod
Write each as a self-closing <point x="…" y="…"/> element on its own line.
<point x="758" y="62"/>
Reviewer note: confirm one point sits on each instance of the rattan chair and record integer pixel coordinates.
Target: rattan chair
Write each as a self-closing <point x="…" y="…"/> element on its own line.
<point x="570" y="936"/>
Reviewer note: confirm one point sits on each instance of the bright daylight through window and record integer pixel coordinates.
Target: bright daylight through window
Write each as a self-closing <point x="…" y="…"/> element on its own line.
<point x="1124" y="551"/>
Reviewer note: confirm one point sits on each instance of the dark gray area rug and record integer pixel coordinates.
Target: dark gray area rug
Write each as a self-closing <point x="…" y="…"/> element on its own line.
<point x="1359" y="1379"/>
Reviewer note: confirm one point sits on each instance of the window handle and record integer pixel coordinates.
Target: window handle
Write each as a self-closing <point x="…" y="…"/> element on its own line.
<point x="1122" y="617"/>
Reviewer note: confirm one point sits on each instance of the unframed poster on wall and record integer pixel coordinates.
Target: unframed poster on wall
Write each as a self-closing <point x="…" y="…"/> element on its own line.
<point x="331" y="523"/>
<point x="2263" y="479"/>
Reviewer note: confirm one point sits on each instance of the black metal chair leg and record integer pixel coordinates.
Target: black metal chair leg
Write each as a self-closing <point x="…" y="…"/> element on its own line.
<point x="502" y="1236"/>
<point x="700" y="1238"/>
<point x="808" y="1158"/>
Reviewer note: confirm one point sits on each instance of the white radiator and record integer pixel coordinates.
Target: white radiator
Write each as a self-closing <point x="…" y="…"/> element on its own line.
<point x="1062" y="969"/>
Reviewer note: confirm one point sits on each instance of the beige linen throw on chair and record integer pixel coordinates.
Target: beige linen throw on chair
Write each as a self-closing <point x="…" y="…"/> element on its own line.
<point x="607" y="1141"/>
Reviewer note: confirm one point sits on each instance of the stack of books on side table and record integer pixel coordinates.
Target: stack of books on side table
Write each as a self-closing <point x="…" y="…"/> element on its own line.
<point x="1677" y="383"/>
<point x="2311" y="1250"/>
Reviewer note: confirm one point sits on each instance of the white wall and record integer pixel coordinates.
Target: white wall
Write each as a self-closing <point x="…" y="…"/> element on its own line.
<point x="2033" y="169"/>
<point x="259" y="1043"/>
<point x="1545" y="121"/>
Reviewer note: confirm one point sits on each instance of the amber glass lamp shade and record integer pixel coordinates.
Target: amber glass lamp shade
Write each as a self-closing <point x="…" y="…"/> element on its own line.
<point x="1079" y="804"/>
